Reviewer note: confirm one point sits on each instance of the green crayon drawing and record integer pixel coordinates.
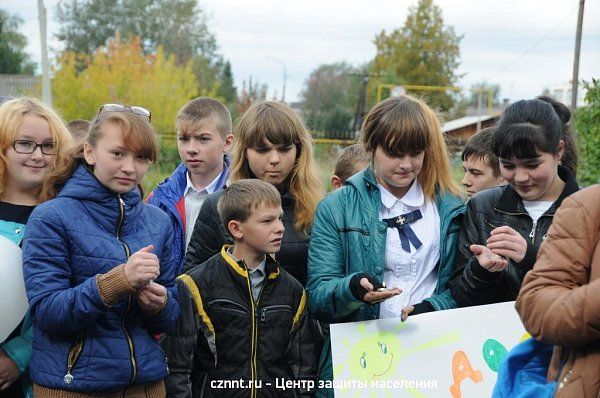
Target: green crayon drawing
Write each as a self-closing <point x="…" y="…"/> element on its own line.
<point x="493" y="354"/>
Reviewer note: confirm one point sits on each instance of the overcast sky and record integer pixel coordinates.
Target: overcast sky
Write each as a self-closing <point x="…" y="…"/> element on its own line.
<point x="523" y="45"/>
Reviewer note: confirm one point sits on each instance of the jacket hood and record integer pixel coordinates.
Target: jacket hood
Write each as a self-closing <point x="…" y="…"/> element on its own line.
<point x="102" y="203"/>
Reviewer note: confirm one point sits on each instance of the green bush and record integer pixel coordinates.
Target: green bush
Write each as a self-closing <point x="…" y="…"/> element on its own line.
<point x="587" y="125"/>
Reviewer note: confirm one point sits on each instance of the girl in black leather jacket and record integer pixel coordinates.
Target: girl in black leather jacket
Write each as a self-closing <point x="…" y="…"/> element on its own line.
<point x="504" y="226"/>
<point x="271" y="144"/>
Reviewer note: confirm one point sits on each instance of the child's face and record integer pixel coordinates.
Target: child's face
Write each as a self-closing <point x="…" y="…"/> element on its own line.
<point x="478" y="175"/>
<point x="396" y="174"/>
<point x="26" y="171"/>
<point x="115" y="166"/>
<point x="262" y="232"/>
<point x="202" y="149"/>
<point x="272" y="163"/>
<point x="533" y="178"/>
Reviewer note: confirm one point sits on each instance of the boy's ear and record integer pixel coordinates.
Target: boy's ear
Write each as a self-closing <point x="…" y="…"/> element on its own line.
<point x="228" y="142"/>
<point x="336" y="182"/>
<point x="235" y="229"/>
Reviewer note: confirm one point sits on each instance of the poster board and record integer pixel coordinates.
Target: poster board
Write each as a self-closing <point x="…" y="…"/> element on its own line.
<point x="452" y="353"/>
<point x="13" y="300"/>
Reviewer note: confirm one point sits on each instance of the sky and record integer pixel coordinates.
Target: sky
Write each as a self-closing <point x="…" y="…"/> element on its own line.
<point x="523" y="45"/>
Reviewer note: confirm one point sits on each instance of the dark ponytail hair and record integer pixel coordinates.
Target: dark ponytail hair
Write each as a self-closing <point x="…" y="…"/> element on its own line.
<point x="527" y="128"/>
<point x="570" y="156"/>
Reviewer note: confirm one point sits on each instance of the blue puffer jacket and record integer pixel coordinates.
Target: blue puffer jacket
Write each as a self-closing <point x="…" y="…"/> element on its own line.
<point x="88" y="230"/>
<point x="348" y="237"/>
<point x="168" y="196"/>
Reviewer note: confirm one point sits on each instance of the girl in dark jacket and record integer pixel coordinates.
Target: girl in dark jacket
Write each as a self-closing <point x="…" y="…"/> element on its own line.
<point x="99" y="268"/>
<point x="33" y="139"/>
<point x="504" y="226"/>
<point x="271" y="144"/>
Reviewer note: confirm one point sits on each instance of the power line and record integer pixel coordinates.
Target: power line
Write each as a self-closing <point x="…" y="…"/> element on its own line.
<point x="538" y="42"/>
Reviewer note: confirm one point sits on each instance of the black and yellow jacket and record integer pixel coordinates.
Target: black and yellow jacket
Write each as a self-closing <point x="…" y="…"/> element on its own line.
<point x="225" y="343"/>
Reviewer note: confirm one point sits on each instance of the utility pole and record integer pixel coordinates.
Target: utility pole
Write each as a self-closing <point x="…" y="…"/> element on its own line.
<point x="46" y="92"/>
<point x="575" y="80"/>
<point x="284" y="75"/>
<point x="360" y="107"/>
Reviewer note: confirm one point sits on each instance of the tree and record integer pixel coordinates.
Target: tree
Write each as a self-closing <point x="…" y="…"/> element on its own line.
<point x="121" y="72"/>
<point x="330" y="97"/>
<point x="254" y="92"/>
<point x="227" y="89"/>
<point x="179" y="26"/>
<point x="13" y="59"/>
<point x="423" y="52"/>
<point x="587" y="124"/>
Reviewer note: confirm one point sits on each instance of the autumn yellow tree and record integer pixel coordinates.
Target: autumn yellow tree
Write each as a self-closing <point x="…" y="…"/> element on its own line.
<point x="122" y="73"/>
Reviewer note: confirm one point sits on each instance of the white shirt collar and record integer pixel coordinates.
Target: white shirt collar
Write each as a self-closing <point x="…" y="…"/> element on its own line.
<point x="210" y="188"/>
<point x="414" y="197"/>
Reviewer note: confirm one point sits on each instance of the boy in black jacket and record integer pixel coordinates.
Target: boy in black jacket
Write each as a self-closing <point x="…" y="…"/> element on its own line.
<point x="243" y="329"/>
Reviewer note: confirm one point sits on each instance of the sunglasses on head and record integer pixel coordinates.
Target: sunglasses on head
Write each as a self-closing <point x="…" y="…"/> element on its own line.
<point x="136" y="110"/>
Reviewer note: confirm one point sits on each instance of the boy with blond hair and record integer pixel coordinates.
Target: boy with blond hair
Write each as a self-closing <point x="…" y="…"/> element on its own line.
<point x="353" y="159"/>
<point x="243" y="329"/>
<point x="204" y="138"/>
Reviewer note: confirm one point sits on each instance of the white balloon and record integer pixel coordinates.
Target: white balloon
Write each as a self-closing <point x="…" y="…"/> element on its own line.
<point x="13" y="300"/>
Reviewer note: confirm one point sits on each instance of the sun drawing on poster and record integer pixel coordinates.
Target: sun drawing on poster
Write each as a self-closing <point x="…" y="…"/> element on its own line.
<point x="376" y="357"/>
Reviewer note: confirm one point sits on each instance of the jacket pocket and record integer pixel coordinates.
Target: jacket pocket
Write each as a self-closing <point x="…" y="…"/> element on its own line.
<point x="227" y="306"/>
<point x="72" y="357"/>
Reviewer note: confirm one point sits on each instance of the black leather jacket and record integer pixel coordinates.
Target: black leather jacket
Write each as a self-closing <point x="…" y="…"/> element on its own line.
<point x="210" y="235"/>
<point x="472" y="284"/>
<point x="224" y="335"/>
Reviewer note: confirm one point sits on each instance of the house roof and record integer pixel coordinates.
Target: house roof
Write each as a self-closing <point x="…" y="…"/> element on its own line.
<point x="464" y="121"/>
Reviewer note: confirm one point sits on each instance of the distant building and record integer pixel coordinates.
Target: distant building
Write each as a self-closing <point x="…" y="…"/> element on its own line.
<point x="458" y="131"/>
<point x="562" y="93"/>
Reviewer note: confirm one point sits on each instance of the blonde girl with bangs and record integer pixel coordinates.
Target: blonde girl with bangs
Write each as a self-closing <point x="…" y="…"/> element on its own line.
<point x="271" y="144"/>
<point x="99" y="267"/>
<point x="383" y="246"/>
<point x="33" y="139"/>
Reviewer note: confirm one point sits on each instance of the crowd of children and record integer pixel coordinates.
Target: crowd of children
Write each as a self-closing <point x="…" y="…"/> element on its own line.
<point x="226" y="279"/>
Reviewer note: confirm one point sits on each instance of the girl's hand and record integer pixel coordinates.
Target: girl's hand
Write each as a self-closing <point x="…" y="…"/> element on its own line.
<point x="142" y="267"/>
<point x="507" y="242"/>
<point x="9" y="371"/>
<point x="151" y="297"/>
<point x="487" y="259"/>
<point x="376" y="296"/>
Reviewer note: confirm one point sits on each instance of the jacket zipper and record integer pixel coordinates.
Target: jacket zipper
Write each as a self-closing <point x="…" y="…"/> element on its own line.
<point x="254" y="315"/>
<point x="533" y="231"/>
<point x="274" y="308"/>
<point x="127" y="253"/>
<point x="73" y="356"/>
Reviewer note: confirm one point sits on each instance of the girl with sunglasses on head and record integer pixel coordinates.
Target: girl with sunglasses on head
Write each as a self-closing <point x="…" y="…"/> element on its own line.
<point x="504" y="226"/>
<point x="271" y="144"/>
<point x="383" y="246"/>
<point x="99" y="268"/>
<point x="33" y="139"/>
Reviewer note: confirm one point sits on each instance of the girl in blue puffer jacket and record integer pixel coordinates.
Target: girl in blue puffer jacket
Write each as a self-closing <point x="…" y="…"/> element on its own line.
<point x="99" y="268"/>
<point x="383" y="246"/>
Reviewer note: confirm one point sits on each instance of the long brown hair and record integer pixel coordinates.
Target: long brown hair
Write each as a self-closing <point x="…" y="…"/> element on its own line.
<point x="280" y="125"/>
<point x="404" y="125"/>
<point x="138" y="136"/>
